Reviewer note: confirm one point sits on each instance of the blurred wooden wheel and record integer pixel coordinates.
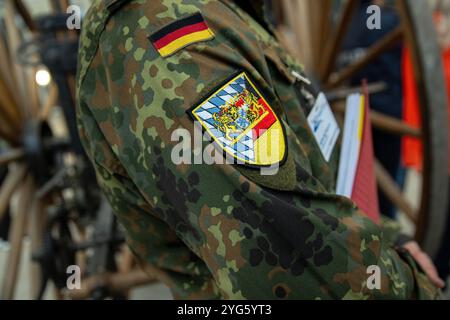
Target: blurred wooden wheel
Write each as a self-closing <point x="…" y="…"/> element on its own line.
<point x="319" y="35"/>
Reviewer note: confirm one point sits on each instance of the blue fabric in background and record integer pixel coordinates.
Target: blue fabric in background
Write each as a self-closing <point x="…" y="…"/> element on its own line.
<point x="386" y="68"/>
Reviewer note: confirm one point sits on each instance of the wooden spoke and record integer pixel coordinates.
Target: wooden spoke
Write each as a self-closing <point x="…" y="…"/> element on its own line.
<point x="373" y="52"/>
<point x="33" y="96"/>
<point x="13" y="39"/>
<point x="386" y="123"/>
<point x="25" y="14"/>
<point x="11" y="155"/>
<point x="18" y="227"/>
<point x="36" y="230"/>
<point x="6" y="76"/>
<point x="7" y="134"/>
<point x="9" y="185"/>
<point x="343" y="93"/>
<point x="325" y="25"/>
<point x="393" y="125"/>
<point x="8" y="104"/>
<point x="334" y="45"/>
<point x="393" y="192"/>
<point x="297" y="17"/>
<point x="318" y="9"/>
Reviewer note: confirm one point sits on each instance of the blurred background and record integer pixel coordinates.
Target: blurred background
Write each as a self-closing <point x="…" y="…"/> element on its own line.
<point x="52" y="213"/>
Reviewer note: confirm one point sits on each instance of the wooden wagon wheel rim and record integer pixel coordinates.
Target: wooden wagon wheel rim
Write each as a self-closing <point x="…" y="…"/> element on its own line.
<point x="417" y="29"/>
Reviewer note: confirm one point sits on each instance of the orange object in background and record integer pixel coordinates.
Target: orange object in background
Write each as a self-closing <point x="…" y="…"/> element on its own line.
<point x="411" y="147"/>
<point x="412" y="153"/>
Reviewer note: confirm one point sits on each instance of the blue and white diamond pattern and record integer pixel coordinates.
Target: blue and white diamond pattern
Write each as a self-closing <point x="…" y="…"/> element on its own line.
<point x="242" y="149"/>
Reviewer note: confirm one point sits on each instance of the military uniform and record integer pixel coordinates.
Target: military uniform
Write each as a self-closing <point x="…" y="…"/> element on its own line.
<point x="222" y="230"/>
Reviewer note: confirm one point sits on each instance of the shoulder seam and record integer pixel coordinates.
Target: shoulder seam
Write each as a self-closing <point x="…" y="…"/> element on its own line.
<point x="89" y="55"/>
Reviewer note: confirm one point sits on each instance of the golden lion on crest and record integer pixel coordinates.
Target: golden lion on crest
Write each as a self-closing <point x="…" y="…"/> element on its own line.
<point x="238" y="114"/>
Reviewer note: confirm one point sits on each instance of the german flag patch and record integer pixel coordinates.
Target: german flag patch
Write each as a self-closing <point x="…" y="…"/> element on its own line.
<point x="180" y="34"/>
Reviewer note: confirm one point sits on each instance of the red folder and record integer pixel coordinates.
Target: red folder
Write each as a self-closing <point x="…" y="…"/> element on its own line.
<point x="364" y="192"/>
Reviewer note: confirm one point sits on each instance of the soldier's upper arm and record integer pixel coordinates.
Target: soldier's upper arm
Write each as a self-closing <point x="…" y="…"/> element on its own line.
<point x="276" y="236"/>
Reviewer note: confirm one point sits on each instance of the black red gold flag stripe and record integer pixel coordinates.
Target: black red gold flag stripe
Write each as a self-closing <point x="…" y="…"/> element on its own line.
<point x="180" y="34"/>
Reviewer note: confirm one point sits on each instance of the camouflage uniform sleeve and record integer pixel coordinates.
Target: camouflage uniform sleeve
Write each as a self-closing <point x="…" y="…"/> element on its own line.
<point x="155" y="245"/>
<point x="281" y="237"/>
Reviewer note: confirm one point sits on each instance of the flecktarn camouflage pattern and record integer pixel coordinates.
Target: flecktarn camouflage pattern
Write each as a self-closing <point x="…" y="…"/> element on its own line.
<point x="222" y="231"/>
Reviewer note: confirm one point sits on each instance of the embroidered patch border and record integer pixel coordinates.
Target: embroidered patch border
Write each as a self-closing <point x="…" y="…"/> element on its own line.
<point x="242" y="123"/>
